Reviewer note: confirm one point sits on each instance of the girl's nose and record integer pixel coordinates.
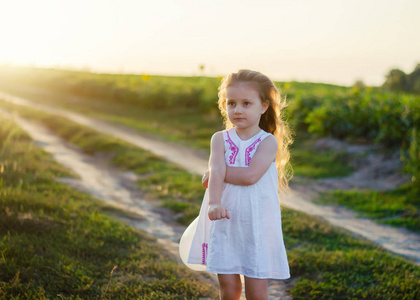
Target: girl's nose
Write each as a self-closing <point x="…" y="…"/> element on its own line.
<point x="237" y="110"/>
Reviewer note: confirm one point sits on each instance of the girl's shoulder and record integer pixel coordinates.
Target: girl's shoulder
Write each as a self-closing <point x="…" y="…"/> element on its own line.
<point x="267" y="139"/>
<point x="270" y="138"/>
<point x="264" y="135"/>
<point x="217" y="136"/>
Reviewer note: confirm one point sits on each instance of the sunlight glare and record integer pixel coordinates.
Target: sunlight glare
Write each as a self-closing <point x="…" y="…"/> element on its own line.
<point x="30" y="33"/>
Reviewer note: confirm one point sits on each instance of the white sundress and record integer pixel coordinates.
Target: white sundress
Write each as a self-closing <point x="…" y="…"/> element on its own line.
<point x="251" y="241"/>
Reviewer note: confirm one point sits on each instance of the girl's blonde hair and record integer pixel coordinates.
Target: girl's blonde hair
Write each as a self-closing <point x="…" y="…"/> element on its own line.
<point x="271" y="121"/>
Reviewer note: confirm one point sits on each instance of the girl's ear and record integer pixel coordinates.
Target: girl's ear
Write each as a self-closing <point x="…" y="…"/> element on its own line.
<point x="264" y="107"/>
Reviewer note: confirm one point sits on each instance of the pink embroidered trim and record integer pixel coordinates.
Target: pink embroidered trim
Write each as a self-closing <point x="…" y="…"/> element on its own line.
<point x="205" y="247"/>
<point x="232" y="148"/>
<point x="249" y="150"/>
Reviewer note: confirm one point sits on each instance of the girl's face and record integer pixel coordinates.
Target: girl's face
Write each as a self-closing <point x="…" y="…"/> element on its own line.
<point x="244" y="105"/>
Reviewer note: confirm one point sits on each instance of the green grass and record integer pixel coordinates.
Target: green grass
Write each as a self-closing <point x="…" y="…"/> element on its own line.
<point x="399" y="207"/>
<point x="56" y="241"/>
<point x="325" y="262"/>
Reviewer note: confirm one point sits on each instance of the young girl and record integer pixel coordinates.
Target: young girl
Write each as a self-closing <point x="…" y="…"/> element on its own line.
<point x="245" y="233"/>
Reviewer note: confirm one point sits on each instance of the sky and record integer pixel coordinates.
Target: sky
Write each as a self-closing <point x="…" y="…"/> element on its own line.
<point x="334" y="41"/>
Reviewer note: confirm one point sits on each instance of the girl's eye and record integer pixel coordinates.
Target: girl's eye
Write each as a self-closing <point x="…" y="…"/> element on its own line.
<point x="231" y="103"/>
<point x="247" y="103"/>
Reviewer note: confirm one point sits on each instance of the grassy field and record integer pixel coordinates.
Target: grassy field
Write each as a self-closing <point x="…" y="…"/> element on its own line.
<point x="191" y="127"/>
<point x="399" y="208"/>
<point x="326" y="263"/>
<point x="58" y="242"/>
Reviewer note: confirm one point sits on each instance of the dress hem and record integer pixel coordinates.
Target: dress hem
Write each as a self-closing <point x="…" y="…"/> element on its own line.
<point x="277" y="277"/>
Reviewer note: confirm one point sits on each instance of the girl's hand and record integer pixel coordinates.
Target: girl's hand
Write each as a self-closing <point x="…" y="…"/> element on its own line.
<point x="217" y="212"/>
<point x="205" y="179"/>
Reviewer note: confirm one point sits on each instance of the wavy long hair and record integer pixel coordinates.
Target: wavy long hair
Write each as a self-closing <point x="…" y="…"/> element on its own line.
<point x="271" y="121"/>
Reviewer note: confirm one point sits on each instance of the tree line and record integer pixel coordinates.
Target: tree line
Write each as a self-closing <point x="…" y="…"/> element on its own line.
<point x="397" y="80"/>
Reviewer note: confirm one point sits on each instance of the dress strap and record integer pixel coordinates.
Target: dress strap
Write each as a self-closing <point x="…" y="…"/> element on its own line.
<point x="250" y="150"/>
<point x="230" y="146"/>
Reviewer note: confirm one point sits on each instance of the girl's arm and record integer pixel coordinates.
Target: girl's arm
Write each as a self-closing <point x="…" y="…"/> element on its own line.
<point x="260" y="162"/>
<point x="217" y="168"/>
